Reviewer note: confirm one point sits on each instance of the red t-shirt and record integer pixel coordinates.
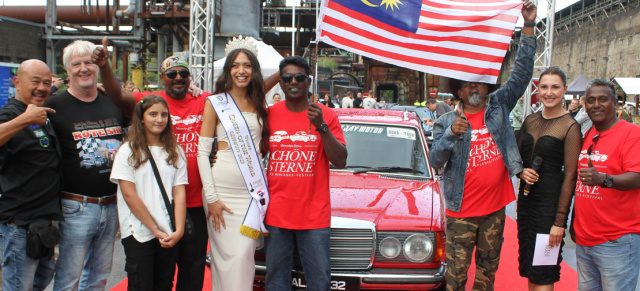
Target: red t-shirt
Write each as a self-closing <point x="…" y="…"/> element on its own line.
<point x="298" y="171"/>
<point x="604" y="214"/>
<point x="186" y="116"/>
<point x="487" y="187"/>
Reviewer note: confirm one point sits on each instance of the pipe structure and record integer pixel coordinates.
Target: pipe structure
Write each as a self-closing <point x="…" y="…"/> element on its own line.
<point x="127" y="12"/>
<point x="70" y="14"/>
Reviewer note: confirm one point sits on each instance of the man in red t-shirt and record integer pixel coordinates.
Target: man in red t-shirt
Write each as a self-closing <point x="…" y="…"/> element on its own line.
<point x="298" y="175"/>
<point x="606" y="226"/>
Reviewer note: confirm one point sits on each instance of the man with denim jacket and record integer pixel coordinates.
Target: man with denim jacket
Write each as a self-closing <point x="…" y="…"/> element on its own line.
<point x="477" y="145"/>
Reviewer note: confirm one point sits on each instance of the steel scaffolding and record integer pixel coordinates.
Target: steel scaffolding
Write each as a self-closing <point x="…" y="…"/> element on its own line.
<point x="201" y="37"/>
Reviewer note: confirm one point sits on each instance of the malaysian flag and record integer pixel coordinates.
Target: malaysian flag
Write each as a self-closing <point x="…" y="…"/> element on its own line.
<point x="462" y="39"/>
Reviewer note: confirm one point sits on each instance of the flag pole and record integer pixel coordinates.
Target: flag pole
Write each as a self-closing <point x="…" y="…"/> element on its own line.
<point x="315" y="77"/>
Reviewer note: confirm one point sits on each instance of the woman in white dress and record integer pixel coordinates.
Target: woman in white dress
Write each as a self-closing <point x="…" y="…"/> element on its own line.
<point x="227" y="197"/>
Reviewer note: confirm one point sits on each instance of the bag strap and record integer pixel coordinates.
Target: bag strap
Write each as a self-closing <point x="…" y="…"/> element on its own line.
<point x="164" y="192"/>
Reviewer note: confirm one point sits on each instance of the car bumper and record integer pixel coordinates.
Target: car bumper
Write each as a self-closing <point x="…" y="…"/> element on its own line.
<point x="383" y="278"/>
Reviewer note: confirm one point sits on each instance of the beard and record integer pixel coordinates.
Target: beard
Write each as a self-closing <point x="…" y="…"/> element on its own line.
<point x="178" y="92"/>
<point x="475" y="99"/>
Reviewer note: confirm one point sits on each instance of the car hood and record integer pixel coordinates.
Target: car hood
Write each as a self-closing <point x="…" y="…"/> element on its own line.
<point x="392" y="204"/>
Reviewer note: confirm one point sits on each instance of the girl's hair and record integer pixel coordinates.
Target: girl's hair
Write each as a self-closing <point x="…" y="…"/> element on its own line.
<point x="138" y="141"/>
<point x="255" y="90"/>
<point x="555" y="71"/>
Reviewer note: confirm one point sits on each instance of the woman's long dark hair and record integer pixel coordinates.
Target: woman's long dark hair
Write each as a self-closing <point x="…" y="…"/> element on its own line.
<point x="138" y="140"/>
<point x="255" y="90"/>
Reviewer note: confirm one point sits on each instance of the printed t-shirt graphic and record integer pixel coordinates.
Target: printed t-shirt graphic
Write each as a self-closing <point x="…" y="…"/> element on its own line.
<point x="90" y="134"/>
<point x="605" y="214"/>
<point x="186" y="116"/>
<point x="298" y="171"/>
<point x="487" y="187"/>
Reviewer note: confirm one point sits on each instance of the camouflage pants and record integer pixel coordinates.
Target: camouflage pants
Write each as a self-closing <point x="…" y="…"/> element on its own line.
<point x="485" y="233"/>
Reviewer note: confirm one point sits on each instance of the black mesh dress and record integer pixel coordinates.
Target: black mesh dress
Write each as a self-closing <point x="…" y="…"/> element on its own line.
<point x="558" y="141"/>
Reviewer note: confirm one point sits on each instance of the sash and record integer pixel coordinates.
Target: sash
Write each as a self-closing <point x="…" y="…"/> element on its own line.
<point x="250" y="165"/>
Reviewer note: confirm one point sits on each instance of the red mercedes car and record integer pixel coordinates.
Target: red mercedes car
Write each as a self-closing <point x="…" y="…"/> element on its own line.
<point x="388" y="223"/>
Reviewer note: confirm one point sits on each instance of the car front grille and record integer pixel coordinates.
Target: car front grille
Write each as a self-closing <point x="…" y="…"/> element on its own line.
<point x="351" y="248"/>
<point x="352" y="244"/>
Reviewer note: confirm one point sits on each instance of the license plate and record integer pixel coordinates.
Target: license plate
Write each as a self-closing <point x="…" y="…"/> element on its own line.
<point x="337" y="283"/>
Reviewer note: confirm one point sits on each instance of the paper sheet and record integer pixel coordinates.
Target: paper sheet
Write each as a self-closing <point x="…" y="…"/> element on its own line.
<point x="544" y="255"/>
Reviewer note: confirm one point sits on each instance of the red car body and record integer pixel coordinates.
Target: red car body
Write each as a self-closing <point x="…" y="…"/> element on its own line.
<point x="394" y="204"/>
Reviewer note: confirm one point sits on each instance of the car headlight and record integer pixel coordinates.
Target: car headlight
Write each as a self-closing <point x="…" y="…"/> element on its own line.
<point x="417" y="248"/>
<point x="260" y="242"/>
<point x="390" y="247"/>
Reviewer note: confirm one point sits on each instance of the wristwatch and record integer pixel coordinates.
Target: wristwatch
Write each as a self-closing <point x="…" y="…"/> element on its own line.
<point x="323" y="127"/>
<point x="608" y="182"/>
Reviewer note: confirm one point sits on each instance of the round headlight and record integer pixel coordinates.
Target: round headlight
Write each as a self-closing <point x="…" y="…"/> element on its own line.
<point x="390" y="247"/>
<point x="417" y="248"/>
<point x="260" y="243"/>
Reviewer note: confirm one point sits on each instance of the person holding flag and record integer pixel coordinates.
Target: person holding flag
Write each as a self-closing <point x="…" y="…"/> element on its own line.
<point x="479" y="153"/>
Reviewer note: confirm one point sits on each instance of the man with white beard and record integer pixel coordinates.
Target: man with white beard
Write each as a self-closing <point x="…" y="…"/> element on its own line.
<point x="477" y="145"/>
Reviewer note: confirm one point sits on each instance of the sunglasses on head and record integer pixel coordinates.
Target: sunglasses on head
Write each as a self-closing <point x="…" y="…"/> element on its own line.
<point x="287" y="78"/>
<point x="595" y="140"/>
<point x="184" y="73"/>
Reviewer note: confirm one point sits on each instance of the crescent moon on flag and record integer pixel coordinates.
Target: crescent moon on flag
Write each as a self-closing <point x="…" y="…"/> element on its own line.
<point x="366" y="2"/>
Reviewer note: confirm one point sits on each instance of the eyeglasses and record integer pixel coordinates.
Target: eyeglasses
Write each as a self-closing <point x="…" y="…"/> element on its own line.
<point x="594" y="141"/>
<point x="287" y="78"/>
<point x="184" y="73"/>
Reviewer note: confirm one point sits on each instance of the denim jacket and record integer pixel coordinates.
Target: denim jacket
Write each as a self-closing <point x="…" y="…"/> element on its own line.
<point x="453" y="150"/>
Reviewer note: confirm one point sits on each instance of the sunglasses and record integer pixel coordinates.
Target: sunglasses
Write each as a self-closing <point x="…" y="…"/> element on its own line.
<point x="595" y="140"/>
<point x="287" y="78"/>
<point x="467" y="84"/>
<point x="184" y="73"/>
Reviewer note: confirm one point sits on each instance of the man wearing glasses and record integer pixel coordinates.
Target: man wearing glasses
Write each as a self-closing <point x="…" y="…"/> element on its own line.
<point x="477" y="145"/>
<point x="298" y="176"/>
<point x="606" y="227"/>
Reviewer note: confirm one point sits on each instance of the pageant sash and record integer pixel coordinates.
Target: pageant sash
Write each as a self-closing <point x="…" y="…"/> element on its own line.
<point x="248" y="161"/>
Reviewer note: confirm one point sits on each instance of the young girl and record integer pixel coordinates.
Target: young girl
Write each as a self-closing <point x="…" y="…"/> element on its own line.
<point x="147" y="235"/>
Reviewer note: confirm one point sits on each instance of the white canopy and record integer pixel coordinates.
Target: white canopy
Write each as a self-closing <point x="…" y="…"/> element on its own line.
<point x="631" y="86"/>
<point x="269" y="60"/>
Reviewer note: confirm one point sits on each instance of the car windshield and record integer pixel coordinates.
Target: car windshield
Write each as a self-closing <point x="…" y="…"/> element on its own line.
<point x="385" y="148"/>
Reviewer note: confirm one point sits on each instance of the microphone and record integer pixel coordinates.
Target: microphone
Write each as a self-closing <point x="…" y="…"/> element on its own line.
<point x="537" y="162"/>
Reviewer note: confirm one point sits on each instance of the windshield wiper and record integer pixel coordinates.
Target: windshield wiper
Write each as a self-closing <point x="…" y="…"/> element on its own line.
<point x="349" y="167"/>
<point x="386" y="169"/>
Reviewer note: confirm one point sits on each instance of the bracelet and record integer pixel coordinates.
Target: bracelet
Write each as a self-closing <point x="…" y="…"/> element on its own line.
<point x="529" y="24"/>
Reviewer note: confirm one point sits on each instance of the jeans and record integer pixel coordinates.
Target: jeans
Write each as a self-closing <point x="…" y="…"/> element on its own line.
<point x="314" y="248"/>
<point x="149" y="266"/>
<point x="612" y="265"/>
<point x="192" y="253"/>
<point x="86" y="245"/>
<point x="19" y="271"/>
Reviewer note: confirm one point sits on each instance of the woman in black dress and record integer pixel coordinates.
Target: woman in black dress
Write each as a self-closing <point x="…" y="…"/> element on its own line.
<point x="555" y="136"/>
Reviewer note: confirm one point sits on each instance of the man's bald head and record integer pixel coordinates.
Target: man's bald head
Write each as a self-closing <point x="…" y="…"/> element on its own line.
<point x="33" y="82"/>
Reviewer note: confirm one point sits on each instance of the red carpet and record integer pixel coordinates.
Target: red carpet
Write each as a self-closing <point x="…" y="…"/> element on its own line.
<point x="507" y="277"/>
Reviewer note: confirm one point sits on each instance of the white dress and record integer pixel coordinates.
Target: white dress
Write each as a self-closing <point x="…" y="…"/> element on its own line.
<point x="233" y="266"/>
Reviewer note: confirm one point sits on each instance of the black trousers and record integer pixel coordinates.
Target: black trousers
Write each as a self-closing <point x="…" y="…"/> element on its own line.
<point x="192" y="253"/>
<point x="149" y="266"/>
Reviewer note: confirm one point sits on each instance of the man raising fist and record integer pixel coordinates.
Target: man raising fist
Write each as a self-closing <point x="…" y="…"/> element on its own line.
<point x="477" y="145"/>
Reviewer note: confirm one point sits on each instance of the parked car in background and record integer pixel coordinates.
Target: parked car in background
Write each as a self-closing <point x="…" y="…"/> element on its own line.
<point x="388" y="223"/>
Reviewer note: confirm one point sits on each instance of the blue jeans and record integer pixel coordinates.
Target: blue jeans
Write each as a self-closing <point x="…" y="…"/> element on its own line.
<point x="613" y="265"/>
<point x="314" y="248"/>
<point x="86" y="245"/>
<point x="19" y="271"/>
